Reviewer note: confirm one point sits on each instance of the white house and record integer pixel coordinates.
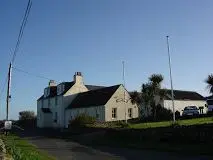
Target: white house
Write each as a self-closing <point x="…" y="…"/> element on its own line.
<point x="63" y="102"/>
<point x="183" y="99"/>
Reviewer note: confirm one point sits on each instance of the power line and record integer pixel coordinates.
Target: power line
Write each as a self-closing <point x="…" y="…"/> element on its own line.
<point x="32" y="74"/>
<point x="21" y="31"/>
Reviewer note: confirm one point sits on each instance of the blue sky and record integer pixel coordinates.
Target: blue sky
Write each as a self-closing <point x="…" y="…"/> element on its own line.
<point x="94" y="36"/>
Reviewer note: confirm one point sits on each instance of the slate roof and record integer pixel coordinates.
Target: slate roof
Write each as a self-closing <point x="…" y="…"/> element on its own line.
<point x="93" y="98"/>
<point x="93" y="87"/>
<point x="53" y="90"/>
<point x="184" y="95"/>
<point x="46" y="110"/>
<point x="68" y="85"/>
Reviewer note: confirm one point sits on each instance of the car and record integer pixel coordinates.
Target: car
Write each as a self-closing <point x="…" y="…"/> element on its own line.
<point x="190" y="111"/>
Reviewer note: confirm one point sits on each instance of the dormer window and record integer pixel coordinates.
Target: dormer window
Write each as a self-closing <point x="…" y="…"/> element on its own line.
<point x="60" y="89"/>
<point x="46" y="92"/>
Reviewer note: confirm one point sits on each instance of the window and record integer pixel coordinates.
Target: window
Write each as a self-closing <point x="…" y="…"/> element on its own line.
<point x="48" y="102"/>
<point x="56" y="117"/>
<point x="58" y="89"/>
<point x="56" y="100"/>
<point x="46" y="92"/>
<point x="114" y="112"/>
<point x="97" y="114"/>
<point x="130" y="112"/>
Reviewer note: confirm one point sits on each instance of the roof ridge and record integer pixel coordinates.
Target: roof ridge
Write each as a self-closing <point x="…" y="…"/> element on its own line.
<point x="179" y="90"/>
<point x="93" y="97"/>
<point x="101" y="88"/>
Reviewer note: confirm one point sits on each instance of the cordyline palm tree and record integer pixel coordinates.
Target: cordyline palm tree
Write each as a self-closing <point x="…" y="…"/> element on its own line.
<point x="156" y="80"/>
<point x="209" y="81"/>
<point x="149" y="92"/>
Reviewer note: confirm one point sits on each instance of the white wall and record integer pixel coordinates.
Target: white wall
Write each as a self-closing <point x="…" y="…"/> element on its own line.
<point x="91" y="111"/>
<point x="43" y="119"/>
<point x="68" y="97"/>
<point x="180" y="104"/>
<point x="115" y="102"/>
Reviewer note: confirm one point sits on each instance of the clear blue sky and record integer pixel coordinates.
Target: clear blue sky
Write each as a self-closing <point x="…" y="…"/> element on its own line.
<point x="94" y="36"/>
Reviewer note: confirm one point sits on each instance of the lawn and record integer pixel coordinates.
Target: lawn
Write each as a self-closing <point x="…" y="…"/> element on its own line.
<point x="186" y="122"/>
<point x="21" y="149"/>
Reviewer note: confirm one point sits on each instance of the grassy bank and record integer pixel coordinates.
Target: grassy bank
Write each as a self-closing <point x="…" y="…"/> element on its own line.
<point x="189" y="136"/>
<point x="22" y="150"/>
<point x="186" y="122"/>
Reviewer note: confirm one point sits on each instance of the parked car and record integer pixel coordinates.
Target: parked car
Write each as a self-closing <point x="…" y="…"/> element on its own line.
<point x="190" y="111"/>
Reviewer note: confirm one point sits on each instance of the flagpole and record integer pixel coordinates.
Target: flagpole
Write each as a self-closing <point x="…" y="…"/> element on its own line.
<point x="170" y="72"/>
<point x="124" y="90"/>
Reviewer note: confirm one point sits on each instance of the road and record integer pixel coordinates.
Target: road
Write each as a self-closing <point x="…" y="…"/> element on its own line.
<point x="68" y="150"/>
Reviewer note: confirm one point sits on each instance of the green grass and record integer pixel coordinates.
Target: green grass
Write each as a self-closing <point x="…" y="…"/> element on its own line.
<point x="187" y="122"/>
<point x="22" y="150"/>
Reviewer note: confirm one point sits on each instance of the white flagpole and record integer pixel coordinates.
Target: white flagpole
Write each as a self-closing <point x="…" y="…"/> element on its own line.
<point x="170" y="72"/>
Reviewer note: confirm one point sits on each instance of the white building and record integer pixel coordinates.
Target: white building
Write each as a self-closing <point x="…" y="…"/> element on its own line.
<point x="63" y="102"/>
<point x="183" y="99"/>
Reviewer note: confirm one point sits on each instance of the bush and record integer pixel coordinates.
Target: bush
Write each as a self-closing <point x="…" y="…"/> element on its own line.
<point x="177" y="114"/>
<point x="163" y="113"/>
<point x="82" y="120"/>
<point x="26" y="115"/>
<point x="122" y="124"/>
<point x="30" y="123"/>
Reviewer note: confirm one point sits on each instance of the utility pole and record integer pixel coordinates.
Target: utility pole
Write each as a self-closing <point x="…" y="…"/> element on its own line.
<point x="124" y="90"/>
<point x="170" y="72"/>
<point x="8" y="91"/>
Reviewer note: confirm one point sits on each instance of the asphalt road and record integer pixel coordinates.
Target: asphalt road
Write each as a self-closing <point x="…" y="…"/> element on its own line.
<point x="68" y="150"/>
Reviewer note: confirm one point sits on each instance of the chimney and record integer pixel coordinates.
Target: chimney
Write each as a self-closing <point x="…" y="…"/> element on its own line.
<point x="52" y="83"/>
<point x="78" y="78"/>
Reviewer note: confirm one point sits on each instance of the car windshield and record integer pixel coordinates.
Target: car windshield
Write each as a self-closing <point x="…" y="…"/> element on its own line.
<point x="210" y="102"/>
<point x="190" y="108"/>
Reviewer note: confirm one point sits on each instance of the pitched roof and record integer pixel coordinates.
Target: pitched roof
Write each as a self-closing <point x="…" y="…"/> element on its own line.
<point x="184" y="95"/>
<point x="93" y="98"/>
<point x="53" y="90"/>
<point x="93" y="87"/>
<point x="67" y="86"/>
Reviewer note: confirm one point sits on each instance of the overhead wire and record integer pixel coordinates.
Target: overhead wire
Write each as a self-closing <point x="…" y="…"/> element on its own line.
<point x="20" y="35"/>
<point x="32" y="74"/>
<point x="21" y="31"/>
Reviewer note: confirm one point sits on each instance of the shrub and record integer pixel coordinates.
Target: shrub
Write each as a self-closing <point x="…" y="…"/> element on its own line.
<point x="163" y="113"/>
<point x="122" y="124"/>
<point x="30" y="123"/>
<point x="82" y="120"/>
<point x="177" y="114"/>
<point x="26" y="115"/>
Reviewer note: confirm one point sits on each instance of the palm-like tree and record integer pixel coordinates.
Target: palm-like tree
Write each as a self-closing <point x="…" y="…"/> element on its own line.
<point x="149" y="92"/>
<point x="156" y="80"/>
<point x="209" y="81"/>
